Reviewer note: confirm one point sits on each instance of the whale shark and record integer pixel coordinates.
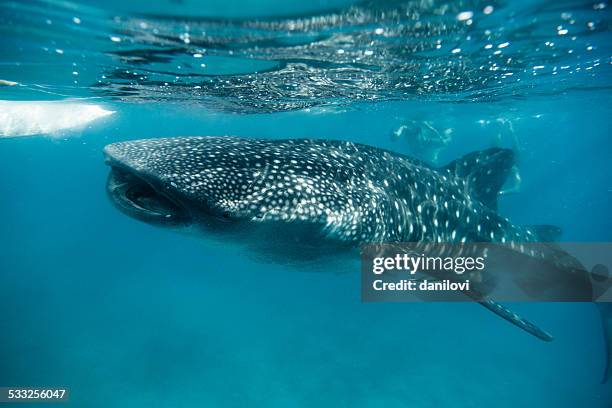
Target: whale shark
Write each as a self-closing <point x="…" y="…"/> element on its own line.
<point x="304" y="199"/>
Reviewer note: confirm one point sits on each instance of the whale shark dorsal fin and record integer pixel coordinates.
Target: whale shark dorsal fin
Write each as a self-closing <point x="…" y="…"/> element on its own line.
<point x="485" y="173"/>
<point x="545" y="233"/>
<point x="515" y="319"/>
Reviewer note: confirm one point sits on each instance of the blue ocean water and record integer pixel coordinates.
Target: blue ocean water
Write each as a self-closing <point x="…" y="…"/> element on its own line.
<point x="126" y="314"/>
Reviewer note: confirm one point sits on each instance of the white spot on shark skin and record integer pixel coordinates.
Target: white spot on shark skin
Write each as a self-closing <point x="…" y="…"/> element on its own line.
<point x="49" y="118"/>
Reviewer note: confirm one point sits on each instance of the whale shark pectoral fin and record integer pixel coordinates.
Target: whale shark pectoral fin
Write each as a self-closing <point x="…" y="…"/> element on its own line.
<point x="545" y="233"/>
<point x="479" y="296"/>
<point x="516" y="319"/>
<point x="485" y="172"/>
<point x="605" y="311"/>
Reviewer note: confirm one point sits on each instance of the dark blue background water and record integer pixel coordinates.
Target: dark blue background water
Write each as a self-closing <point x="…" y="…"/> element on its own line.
<point x="126" y="314"/>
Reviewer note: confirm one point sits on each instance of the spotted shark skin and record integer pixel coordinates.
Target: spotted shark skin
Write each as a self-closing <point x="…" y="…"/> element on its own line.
<point x="354" y="193"/>
<point x="347" y="193"/>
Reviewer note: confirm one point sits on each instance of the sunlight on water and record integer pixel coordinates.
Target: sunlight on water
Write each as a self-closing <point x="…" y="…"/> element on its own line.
<point x="371" y="51"/>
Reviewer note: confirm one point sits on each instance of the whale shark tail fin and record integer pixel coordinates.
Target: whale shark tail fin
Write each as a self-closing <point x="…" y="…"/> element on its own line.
<point x="605" y="311"/>
<point x="485" y="173"/>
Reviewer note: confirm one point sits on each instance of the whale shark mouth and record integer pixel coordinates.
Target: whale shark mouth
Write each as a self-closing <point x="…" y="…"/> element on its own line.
<point x="138" y="199"/>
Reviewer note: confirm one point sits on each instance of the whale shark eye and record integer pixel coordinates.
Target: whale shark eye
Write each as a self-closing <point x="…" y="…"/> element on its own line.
<point x="226" y="214"/>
